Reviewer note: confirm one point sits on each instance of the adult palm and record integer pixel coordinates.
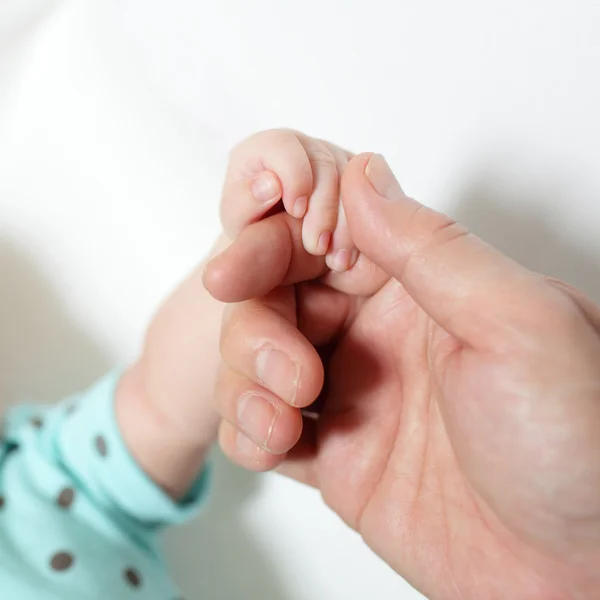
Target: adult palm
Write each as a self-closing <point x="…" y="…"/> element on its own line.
<point x="460" y="433"/>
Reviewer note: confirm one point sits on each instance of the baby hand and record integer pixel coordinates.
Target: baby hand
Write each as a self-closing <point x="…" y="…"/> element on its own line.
<point x="302" y="172"/>
<point x="165" y="401"/>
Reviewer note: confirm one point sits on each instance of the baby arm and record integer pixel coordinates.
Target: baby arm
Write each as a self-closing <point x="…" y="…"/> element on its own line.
<point x="86" y="485"/>
<point x="164" y="402"/>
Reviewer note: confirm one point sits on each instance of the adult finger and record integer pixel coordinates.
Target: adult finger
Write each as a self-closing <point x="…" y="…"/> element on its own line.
<point x="264" y="346"/>
<point x="473" y="291"/>
<point x="271" y="253"/>
<point x="268" y="421"/>
<point x="243" y="451"/>
<point x="264" y="255"/>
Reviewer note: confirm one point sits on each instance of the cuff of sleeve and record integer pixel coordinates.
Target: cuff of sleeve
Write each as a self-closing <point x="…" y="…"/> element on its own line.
<point x="90" y="435"/>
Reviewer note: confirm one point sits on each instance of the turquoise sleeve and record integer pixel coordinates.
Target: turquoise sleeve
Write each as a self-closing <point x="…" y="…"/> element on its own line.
<point x="73" y="502"/>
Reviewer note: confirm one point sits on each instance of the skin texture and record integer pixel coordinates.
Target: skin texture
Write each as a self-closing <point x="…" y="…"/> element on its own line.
<point x="459" y="393"/>
<point x="165" y="401"/>
<point x="304" y="173"/>
<point x="458" y="425"/>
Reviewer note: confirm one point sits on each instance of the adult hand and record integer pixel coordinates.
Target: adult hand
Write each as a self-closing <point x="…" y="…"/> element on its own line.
<point x="460" y="428"/>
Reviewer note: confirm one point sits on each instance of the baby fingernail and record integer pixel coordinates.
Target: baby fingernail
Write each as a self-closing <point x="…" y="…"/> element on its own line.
<point x="265" y="188"/>
<point x="300" y="206"/>
<point x="278" y="373"/>
<point x="257" y="417"/>
<point x="323" y="243"/>
<point x="339" y="261"/>
<point x="382" y="179"/>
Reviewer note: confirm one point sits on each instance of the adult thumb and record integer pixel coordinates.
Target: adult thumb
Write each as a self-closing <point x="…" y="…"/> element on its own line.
<point x="465" y="285"/>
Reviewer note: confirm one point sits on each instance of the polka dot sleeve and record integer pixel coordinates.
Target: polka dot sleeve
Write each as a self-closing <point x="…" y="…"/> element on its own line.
<point x="90" y="446"/>
<point x="78" y="517"/>
<point x="82" y="438"/>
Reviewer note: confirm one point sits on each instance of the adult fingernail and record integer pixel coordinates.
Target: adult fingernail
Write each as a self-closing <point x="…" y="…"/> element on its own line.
<point x="323" y="243"/>
<point x="277" y="372"/>
<point x="382" y="179"/>
<point x="339" y="261"/>
<point x="300" y="206"/>
<point x="265" y="188"/>
<point x="247" y="447"/>
<point x="256" y="416"/>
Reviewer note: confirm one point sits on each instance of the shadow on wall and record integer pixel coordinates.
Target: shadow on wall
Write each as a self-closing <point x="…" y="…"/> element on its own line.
<point x="44" y="356"/>
<point x="20" y="23"/>
<point x="519" y="223"/>
<point x="215" y="556"/>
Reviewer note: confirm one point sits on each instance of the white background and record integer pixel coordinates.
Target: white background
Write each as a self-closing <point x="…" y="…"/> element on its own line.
<point x="115" y="121"/>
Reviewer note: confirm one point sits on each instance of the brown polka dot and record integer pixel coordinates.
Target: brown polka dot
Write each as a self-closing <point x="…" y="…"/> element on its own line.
<point x="71" y="409"/>
<point x="11" y="447"/>
<point x="2" y="502"/>
<point x="62" y="561"/>
<point x="66" y="497"/>
<point x="100" y="444"/>
<point x="132" y="576"/>
<point x="37" y="422"/>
